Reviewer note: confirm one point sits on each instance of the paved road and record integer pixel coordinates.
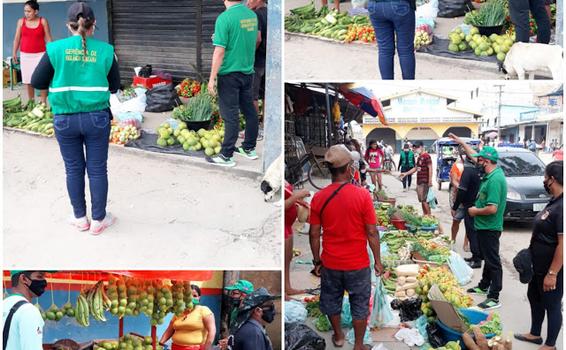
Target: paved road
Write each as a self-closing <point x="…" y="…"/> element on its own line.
<point x="515" y="310"/>
<point x="171" y="214"/>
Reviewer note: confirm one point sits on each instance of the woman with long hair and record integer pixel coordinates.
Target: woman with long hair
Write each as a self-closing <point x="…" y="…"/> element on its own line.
<point x="32" y="34"/>
<point x="80" y="73"/>
<point x="374" y="156"/>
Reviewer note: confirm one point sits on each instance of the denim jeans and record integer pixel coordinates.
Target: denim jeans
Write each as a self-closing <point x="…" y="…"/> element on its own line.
<point x="519" y="11"/>
<point x="392" y="19"/>
<point x="235" y="94"/>
<point x="77" y="133"/>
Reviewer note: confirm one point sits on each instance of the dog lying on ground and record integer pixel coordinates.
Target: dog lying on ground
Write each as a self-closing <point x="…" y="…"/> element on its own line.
<point x="272" y="179"/>
<point x="527" y="58"/>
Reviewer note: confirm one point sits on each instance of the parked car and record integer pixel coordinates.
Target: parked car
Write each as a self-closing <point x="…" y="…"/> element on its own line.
<point x="524" y="171"/>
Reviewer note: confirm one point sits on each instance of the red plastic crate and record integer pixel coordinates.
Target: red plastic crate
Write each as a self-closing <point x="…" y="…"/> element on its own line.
<point x="150" y="82"/>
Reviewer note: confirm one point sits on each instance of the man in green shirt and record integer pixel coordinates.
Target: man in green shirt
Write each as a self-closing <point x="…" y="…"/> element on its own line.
<point x="488" y="213"/>
<point x="234" y="40"/>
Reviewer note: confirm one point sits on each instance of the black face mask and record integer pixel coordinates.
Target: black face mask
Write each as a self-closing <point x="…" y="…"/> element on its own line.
<point x="37" y="287"/>
<point x="546" y="187"/>
<point x="234" y="302"/>
<point x="268" y="315"/>
<point x="481" y="169"/>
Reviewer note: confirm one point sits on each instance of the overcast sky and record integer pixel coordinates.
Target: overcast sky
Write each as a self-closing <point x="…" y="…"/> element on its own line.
<point x="513" y="91"/>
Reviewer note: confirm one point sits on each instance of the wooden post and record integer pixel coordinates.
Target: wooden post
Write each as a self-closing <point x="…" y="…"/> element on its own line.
<point x="154" y="337"/>
<point x="121" y="328"/>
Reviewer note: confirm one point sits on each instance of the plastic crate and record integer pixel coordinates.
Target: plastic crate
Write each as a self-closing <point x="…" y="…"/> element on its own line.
<point x="150" y="82"/>
<point x="473" y="316"/>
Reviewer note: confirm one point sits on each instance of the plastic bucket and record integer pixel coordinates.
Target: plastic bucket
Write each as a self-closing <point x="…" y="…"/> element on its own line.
<point x="473" y="316"/>
<point x="399" y="224"/>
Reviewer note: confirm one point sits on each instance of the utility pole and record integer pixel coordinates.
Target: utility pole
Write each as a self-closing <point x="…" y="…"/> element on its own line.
<point x="500" y="86"/>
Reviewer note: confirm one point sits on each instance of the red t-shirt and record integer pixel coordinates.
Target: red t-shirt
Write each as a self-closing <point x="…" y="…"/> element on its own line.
<point x="32" y="39"/>
<point x="290" y="214"/>
<point x="344" y="238"/>
<point x="424" y="163"/>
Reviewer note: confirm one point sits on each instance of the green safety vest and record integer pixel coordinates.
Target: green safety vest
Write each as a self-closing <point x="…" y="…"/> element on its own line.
<point x="410" y="160"/>
<point x="80" y="83"/>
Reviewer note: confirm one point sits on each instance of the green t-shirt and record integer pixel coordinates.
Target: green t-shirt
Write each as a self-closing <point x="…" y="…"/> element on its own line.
<point x="80" y="83"/>
<point x="236" y="31"/>
<point x="493" y="191"/>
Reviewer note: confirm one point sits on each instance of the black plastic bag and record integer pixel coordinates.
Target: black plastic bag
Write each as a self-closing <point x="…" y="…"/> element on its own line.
<point x="298" y="336"/>
<point x="162" y="99"/>
<point x="409" y="309"/>
<point x="434" y="338"/>
<point x="453" y="8"/>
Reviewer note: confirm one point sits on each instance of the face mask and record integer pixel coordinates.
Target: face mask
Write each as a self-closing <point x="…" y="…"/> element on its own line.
<point x="268" y="315"/>
<point x="481" y="169"/>
<point x="235" y="302"/>
<point x="196" y="301"/>
<point x="37" y="287"/>
<point x="546" y="187"/>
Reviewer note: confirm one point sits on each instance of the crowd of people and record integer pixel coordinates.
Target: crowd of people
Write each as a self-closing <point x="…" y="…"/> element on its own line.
<point x="195" y="329"/>
<point x="344" y="212"/>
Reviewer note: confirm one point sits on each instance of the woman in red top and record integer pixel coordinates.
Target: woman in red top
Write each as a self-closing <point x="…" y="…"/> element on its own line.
<point x="291" y="199"/>
<point x="31" y="35"/>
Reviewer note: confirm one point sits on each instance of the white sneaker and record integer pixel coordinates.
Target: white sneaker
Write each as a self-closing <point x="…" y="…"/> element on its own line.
<point x="97" y="227"/>
<point x="81" y="224"/>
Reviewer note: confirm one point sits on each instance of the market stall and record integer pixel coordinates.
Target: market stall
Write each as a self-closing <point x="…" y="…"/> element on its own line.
<point x="105" y="309"/>
<point x="485" y="33"/>
<point x="419" y="300"/>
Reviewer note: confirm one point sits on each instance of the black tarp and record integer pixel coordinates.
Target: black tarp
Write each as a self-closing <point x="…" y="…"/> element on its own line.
<point x="148" y="142"/>
<point x="439" y="47"/>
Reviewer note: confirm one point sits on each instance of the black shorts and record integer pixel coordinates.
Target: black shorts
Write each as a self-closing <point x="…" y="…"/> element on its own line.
<point x="357" y="283"/>
<point x="258" y="79"/>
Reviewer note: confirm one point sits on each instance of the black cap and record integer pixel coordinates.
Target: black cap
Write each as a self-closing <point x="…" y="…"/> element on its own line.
<point x="78" y="10"/>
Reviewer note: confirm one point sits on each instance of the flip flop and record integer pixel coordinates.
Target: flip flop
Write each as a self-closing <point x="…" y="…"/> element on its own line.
<point x="521" y="337"/>
<point x="336" y="345"/>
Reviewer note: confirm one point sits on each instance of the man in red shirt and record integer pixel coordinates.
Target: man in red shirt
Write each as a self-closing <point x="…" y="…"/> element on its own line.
<point x="423" y="168"/>
<point x="346" y="215"/>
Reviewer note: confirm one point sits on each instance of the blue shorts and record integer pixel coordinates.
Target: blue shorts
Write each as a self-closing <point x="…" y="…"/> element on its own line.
<point x="460" y="213"/>
<point x="334" y="283"/>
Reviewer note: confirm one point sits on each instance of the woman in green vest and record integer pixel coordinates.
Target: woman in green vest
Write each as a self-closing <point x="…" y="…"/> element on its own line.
<point x="406" y="163"/>
<point x="80" y="73"/>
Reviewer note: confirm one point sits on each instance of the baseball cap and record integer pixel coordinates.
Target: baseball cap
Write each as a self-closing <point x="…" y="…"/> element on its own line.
<point x="338" y="156"/>
<point x="488" y="152"/>
<point x="79" y="9"/>
<point x="243" y="286"/>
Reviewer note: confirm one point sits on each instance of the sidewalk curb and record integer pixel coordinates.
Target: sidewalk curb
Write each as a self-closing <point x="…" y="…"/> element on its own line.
<point x="170" y="158"/>
<point x="485" y="66"/>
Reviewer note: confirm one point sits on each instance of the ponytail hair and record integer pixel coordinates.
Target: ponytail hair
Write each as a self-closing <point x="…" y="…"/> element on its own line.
<point x="82" y="25"/>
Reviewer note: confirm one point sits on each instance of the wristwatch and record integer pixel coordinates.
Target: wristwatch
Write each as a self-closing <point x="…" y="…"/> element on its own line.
<point x="551" y="273"/>
<point x="316" y="262"/>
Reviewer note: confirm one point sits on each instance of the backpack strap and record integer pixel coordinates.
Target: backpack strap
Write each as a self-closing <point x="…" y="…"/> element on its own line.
<point x="8" y="322"/>
<point x="330" y="198"/>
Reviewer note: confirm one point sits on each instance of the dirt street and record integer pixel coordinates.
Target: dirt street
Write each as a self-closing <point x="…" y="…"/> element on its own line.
<point x="168" y="210"/>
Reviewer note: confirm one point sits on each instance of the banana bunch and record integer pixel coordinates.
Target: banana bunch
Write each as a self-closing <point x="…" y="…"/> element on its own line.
<point x="82" y="313"/>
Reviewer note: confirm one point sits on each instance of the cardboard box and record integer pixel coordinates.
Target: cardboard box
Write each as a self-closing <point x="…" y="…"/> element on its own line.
<point x="445" y="311"/>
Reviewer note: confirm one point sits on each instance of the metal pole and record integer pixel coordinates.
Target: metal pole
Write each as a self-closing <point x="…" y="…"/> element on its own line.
<point x="559" y="23"/>
<point x="499" y="112"/>
<point x="273" y="87"/>
<point x="328" y="112"/>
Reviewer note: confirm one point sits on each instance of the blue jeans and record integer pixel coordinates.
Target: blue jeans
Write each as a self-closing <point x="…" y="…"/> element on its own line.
<point x="75" y="134"/>
<point x="235" y="94"/>
<point x="389" y="18"/>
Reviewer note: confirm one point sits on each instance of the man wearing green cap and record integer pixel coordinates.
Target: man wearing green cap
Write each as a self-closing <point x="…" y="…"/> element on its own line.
<point x="237" y="293"/>
<point x="23" y="324"/>
<point x="488" y="221"/>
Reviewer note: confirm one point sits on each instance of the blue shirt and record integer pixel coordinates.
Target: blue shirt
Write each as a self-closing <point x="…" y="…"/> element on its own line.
<point x="252" y="336"/>
<point x="26" y="330"/>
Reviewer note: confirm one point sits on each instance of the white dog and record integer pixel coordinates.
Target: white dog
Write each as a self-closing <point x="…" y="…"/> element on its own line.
<point x="527" y="58"/>
<point x="272" y="180"/>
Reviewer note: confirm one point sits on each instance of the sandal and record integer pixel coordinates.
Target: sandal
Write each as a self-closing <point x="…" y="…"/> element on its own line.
<point x="316" y="273"/>
<point x="336" y="345"/>
<point x="521" y="337"/>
